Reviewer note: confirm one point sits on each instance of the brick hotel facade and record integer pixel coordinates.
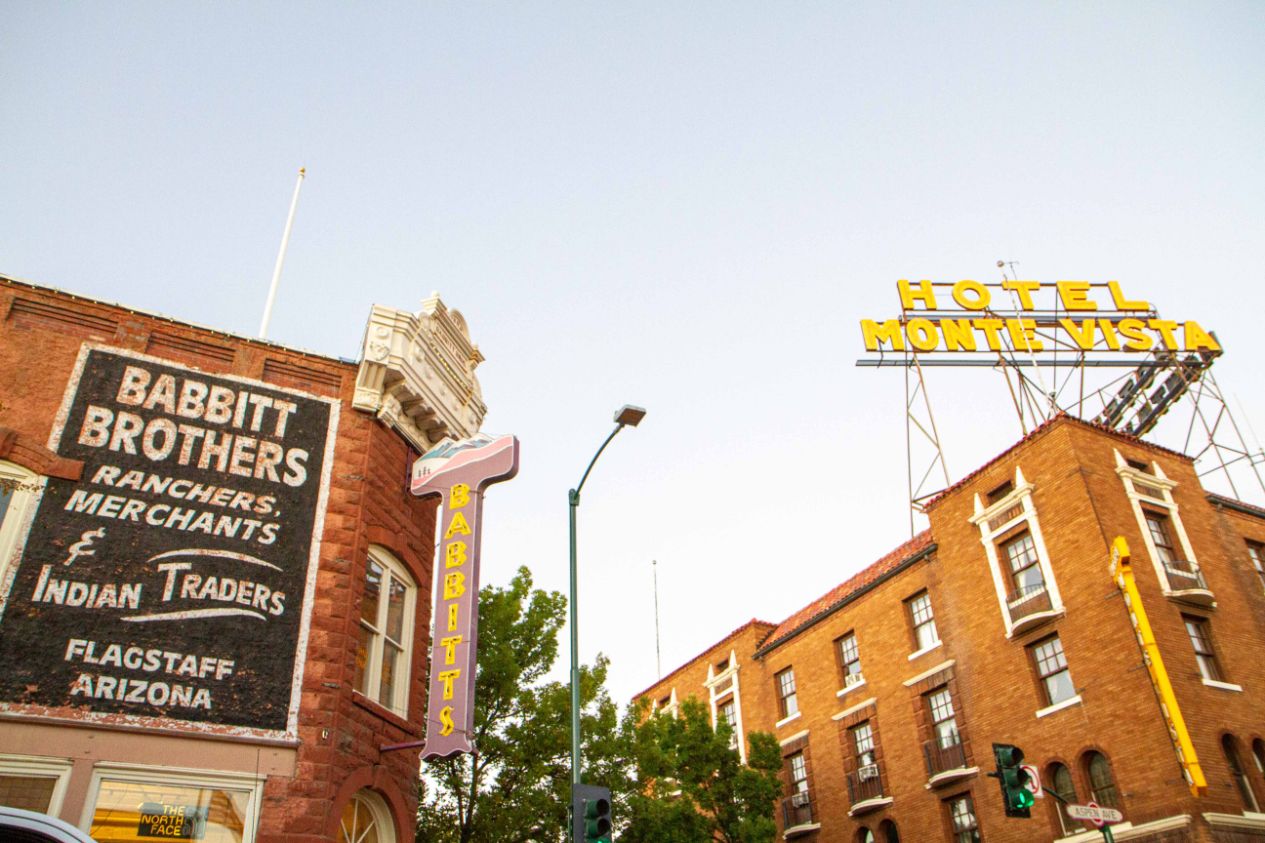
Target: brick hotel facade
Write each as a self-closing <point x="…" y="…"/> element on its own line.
<point x="1001" y="623"/>
<point x="213" y="577"/>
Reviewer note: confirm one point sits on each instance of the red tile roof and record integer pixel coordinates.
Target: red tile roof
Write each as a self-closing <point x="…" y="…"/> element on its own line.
<point x="843" y="593"/>
<point x="734" y="634"/>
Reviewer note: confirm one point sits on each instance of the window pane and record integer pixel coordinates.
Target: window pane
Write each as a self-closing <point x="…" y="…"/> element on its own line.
<point x="799" y="773"/>
<point x="358" y="825"/>
<point x="920" y="606"/>
<point x="395" y="610"/>
<point x="373" y="591"/>
<point x="1101" y="783"/>
<point x="144" y="811"/>
<point x="6" y="495"/>
<point x="1058" y="687"/>
<point x="863" y="740"/>
<point x="390" y="662"/>
<point x="31" y="793"/>
<point x="1158" y="526"/>
<point x="927" y="635"/>
<point x="363" y="647"/>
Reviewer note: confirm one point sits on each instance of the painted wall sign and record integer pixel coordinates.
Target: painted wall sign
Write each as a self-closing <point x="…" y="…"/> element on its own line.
<point x="459" y="472"/>
<point x="173" y="579"/>
<point x="1032" y="317"/>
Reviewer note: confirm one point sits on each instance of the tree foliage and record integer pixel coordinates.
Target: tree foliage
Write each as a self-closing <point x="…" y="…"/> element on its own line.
<point x="517" y="787"/>
<point x="693" y="788"/>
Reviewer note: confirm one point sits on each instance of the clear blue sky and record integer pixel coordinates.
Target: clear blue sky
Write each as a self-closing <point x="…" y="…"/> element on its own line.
<point x="685" y="206"/>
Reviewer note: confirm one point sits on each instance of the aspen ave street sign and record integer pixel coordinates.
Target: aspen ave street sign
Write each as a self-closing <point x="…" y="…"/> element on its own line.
<point x="1095" y="814"/>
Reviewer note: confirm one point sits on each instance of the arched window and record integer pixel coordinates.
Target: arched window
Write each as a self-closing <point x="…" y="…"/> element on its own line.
<point x="366" y="820"/>
<point x="19" y="490"/>
<point x="864" y="835"/>
<point x="1258" y="755"/>
<point x="887" y="831"/>
<point x="1231" y="751"/>
<point x="385" y="649"/>
<point x="1060" y="779"/>
<point x="1102" y="784"/>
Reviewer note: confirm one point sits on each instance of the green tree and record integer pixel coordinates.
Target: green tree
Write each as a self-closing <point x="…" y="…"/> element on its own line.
<point x="517" y="788"/>
<point x="693" y="788"/>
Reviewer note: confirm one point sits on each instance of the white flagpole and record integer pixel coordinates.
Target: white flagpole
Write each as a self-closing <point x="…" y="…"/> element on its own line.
<point x="281" y="256"/>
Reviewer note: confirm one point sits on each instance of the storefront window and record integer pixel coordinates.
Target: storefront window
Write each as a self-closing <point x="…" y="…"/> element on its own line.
<point x="30" y="793"/>
<point x="147" y="811"/>
<point x="33" y="783"/>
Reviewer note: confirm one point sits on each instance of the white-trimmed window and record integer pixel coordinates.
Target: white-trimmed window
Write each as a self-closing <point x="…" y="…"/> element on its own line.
<point x="850" y="660"/>
<point x="725" y="698"/>
<point x="962" y="819"/>
<point x="33" y="783"/>
<point x="1200" y="633"/>
<point x="1151" y="496"/>
<point x="787" y="700"/>
<point x="1052" y="670"/>
<point x="19" y="490"/>
<point x="1017" y="559"/>
<point x="1256" y="555"/>
<point x="944" y="721"/>
<point x="922" y="622"/>
<point x="366" y="819"/>
<point x="384" y="652"/>
<point x="173" y="803"/>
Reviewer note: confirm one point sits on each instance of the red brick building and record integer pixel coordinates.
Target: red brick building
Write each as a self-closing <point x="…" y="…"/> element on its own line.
<point x="1002" y="624"/>
<point x="213" y="575"/>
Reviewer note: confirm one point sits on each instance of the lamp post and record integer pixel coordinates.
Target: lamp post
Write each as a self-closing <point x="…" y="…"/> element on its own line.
<point x="628" y="416"/>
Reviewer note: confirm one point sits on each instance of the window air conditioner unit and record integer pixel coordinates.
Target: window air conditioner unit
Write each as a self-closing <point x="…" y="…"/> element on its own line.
<point x="799" y="800"/>
<point x="869" y="771"/>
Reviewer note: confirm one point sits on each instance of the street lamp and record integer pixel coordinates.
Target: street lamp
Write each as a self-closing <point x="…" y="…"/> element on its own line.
<point x="628" y="416"/>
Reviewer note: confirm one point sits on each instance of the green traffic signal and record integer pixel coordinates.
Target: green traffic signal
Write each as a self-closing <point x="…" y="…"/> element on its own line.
<point x="1016" y="796"/>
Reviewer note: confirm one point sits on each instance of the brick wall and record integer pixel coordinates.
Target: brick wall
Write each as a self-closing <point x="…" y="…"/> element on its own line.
<point x="340" y="732"/>
<point x="1081" y="504"/>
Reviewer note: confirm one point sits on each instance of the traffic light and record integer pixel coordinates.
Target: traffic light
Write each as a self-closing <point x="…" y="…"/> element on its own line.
<point x="1014" y="779"/>
<point x="590" y="814"/>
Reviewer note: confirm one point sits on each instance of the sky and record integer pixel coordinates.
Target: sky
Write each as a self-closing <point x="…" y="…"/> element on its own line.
<point x="683" y="206"/>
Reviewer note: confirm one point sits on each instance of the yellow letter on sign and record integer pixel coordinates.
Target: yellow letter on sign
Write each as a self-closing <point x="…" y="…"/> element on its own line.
<point x="459" y="496"/>
<point x="454" y="585"/>
<point x="457" y="525"/>
<point x="456" y="555"/>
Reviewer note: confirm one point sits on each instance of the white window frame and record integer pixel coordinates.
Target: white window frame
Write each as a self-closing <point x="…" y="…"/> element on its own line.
<point x="189" y="777"/>
<point x="990" y="533"/>
<point x="1166" y="506"/>
<point x="671" y="708"/>
<point x="373" y="670"/>
<point x="17" y="520"/>
<point x="39" y="767"/>
<point x="719" y="691"/>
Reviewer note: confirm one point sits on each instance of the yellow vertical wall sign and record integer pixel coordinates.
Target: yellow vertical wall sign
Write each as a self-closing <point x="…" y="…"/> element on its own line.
<point x="1122" y="573"/>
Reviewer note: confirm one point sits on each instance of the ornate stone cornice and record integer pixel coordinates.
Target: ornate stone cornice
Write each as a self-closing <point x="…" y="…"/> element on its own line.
<point x="417" y="373"/>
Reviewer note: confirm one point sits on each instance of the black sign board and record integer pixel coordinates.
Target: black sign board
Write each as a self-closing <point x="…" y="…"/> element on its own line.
<point x="171" y="579"/>
<point x="171" y="822"/>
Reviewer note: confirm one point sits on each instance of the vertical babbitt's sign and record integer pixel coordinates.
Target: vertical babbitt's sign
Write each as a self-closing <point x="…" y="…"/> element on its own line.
<point x="459" y="472"/>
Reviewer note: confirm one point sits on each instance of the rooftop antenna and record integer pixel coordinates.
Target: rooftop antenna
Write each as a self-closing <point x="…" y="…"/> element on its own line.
<point x="281" y="257"/>
<point x="658" y="663"/>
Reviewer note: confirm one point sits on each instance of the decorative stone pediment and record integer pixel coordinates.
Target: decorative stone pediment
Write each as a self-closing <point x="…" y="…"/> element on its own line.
<point x="417" y="373"/>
